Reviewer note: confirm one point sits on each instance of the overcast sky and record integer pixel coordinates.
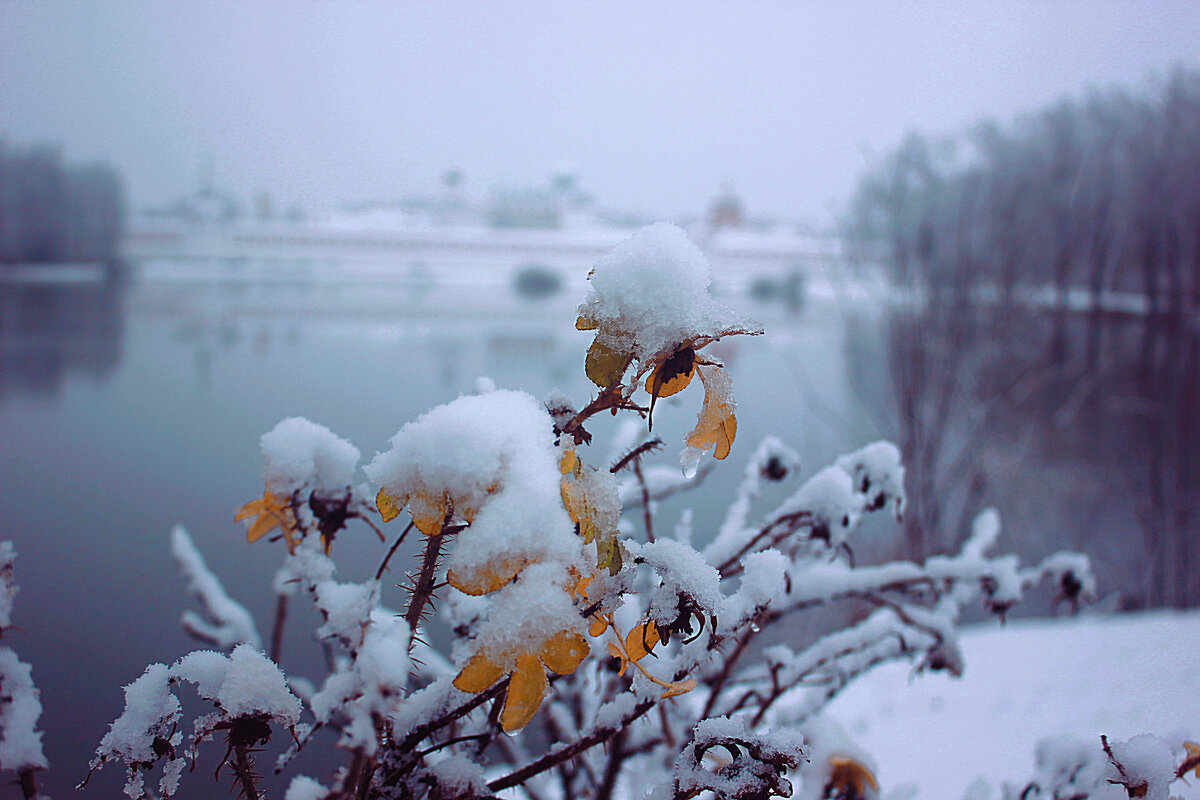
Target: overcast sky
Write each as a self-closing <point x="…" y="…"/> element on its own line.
<point x="654" y="103"/>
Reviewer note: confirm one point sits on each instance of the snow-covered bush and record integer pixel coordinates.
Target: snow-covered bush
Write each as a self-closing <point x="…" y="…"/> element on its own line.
<point x="632" y="662"/>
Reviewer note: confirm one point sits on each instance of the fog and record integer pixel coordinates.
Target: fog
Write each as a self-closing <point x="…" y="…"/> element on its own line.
<point x="654" y="104"/>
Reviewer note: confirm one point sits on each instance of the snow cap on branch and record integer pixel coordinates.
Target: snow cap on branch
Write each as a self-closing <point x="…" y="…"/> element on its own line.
<point x="304" y="455"/>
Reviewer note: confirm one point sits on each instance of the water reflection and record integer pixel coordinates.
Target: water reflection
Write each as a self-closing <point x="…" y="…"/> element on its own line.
<point x="56" y="322"/>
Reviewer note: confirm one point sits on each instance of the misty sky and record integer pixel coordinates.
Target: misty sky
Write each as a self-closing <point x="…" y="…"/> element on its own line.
<point x="654" y="103"/>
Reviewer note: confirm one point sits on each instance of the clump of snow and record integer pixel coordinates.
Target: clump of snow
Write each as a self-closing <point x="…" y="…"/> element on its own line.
<point x="347" y="609"/>
<point x="370" y="686"/>
<point x="764" y="581"/>
<point x="303" y="455"/>
<point x="460" y="775"/>
<point x="20" y="707"/>
<point x="20" y="704"/>
<point x="830" y="498"/>
<point x="687" y="580"/>
<point x="1146" y="761"/>
<point x="650" y="293"/>
<point x="877" y="472"/>
<point x="229" y="623"/>
<point x="303" y="787"/>
<point x="527" y="612"/>
<point x="495" y="457"/>
<point x="151" y="715"/>
<point x="8" y="588"/>
<point x="244" y="683"/>
<point x="759" y="760"/>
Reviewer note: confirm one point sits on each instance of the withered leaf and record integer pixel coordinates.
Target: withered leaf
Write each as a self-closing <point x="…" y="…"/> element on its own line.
<point x="605" y="365"/>
<point x="526" y="689"/>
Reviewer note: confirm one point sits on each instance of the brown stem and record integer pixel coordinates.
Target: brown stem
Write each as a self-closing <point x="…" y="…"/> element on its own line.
<point x="567" y="752"/>
<point x="281" y="610"/>
<point x="647" y="517"/>
<point x="429" y="728"/>
<point x="422" y="591"/>
<point x="791" y="522"/>
<point x="245" y="772"/>
<point x="383" y="565"/>
<point x="612" y="770"/>
<point x="29" y="787"/>
<point x="726" y="670"/>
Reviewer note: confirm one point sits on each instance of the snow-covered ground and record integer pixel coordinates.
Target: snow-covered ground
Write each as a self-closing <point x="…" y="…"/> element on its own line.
<point x="1119" y="676"/>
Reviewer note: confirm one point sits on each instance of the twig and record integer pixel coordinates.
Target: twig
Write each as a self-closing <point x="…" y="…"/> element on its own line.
<point x="29" y="787"/>
<point x="647" y="516"/>
<point x="281" y="610"/>
<point x="383" y="565"/>
<point x="567" y="752"/>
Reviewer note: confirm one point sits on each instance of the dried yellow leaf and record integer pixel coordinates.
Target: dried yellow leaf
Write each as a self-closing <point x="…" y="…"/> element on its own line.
<point x="716" y="425"/>
<point x="673" y="374"/>
<point x="569" y="462"/>
<point x="615" y="652"/>
<point x="583" y="323"/>
<point x="479" y="673"/>
<point x="428" y="513"/>
<point x="564" y="652"/>
<point x="271" y="512"/>
<point x="526" y="689"/>
<point x="640" y="640"/>
<point x="599" y="625"/>
<point x="851" y="777"/>
<point x="605" y="365"/>
<point x="487" y="579"/>
<point x="388" y="506"/>
<point x="679" y="687"/>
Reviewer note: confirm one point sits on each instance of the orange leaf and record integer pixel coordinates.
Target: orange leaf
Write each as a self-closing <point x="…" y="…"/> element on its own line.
<point x="526" y="689"/>
<point x="488" y="579"/>
<point x="564" y="652"/>
<point x="850" y="776"/>
<point x="599" y="626"/>
<point x="716" y="425"/>
<point x="640" y="640"/>
<point x="428" y="513"/>
<point x="679" y="687"/>
<point x="388" y="506"/>
<point x="615" y="652"/>
<point x="479" y="673"/>
<point x="673" y="374"/>
<point x="270" y="513"/>
<point x="583" y="323"/>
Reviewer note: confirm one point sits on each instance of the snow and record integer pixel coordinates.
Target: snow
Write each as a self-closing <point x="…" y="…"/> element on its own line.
<point x="877" y="472"/>
<point x="20" y="707"/>
<point x="151" y="713"/>
<point x="303" y="787"/>
<point x="650" y="293"/>
<point x="8" y="588"/>
<point x="1120" y="676"/>
<point x="244" y="683"/>
<point x="304" y="455"/>
<point x="229" y="623"/>
<point x="684" y="573"/>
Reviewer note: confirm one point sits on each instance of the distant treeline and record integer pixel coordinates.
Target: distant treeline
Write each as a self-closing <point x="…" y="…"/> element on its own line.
<point x="51" y="212"/>
<point x="1101" y="193"/>
<point x="1051" y="362"/>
